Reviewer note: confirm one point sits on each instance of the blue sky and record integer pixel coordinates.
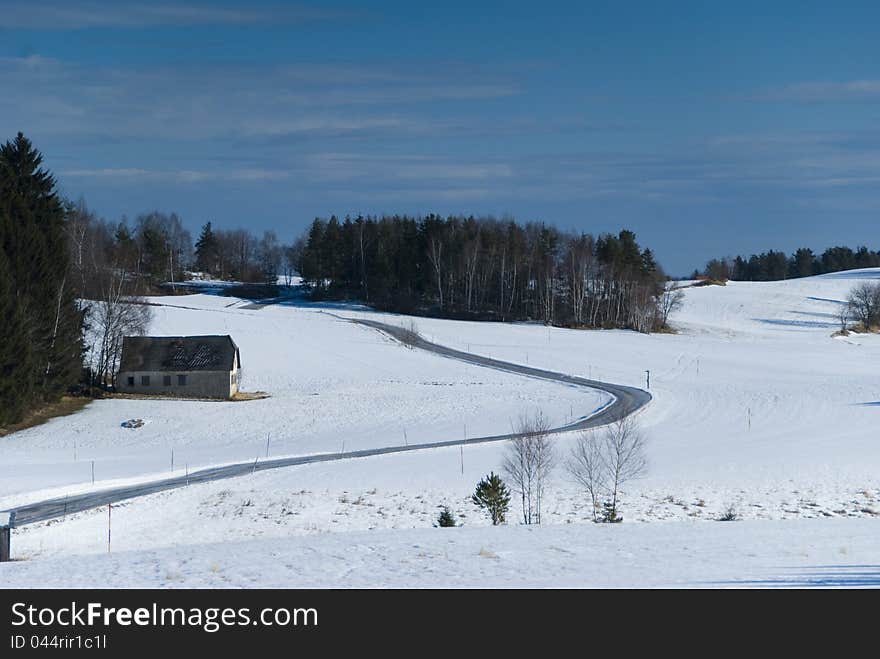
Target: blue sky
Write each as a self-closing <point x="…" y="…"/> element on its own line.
<point x="708" y="128"/>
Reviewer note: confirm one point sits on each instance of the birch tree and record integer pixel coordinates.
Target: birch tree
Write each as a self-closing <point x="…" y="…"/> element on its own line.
<point x="528" y="462"/>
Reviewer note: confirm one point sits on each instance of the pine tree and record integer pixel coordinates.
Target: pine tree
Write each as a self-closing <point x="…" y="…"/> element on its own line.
<point x="445" y="519"/>
<point x="609" y="513"/>
<point x="155" y="251"/>
<point x="207" y="250"/>
<point x="16" y="385"/>
<point x="493" y="496"/>
<point x="42" y="357"/>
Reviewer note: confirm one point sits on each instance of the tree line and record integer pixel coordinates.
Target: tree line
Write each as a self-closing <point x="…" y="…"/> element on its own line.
<point x="114" y="265"/>
<point x="773" y="266"/>
<point x="483" y="268"/>
<point x="157" y="252"/>
<point x="240" y="256"/>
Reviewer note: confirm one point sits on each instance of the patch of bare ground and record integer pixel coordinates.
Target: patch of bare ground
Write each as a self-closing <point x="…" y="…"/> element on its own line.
<point x="250" y="395"/>
<point x="67" y="405"/>
<point x="666" y="329"/>
<point x="241" y="395"/>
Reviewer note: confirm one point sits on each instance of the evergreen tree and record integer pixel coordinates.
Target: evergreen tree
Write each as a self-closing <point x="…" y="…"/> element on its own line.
<point x="445" y="518"/>
<point x="16" y="385"/>
<point x="207" y="251"/>
<point x="609" y="513"/>
<point x="155" y="251"/>
<point x="42" y="355"/>
<point x="126" y="248"/>
<point x="493" y="496"/>
<point x="802" y="263"/>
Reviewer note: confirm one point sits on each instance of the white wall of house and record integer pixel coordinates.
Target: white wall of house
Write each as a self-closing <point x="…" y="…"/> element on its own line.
<point x="185" y="384"/>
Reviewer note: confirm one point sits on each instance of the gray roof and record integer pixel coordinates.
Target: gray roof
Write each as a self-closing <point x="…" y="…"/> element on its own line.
<point x="178" y="353"/>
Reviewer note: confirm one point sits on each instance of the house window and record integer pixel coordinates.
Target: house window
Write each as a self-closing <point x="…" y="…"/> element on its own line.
<point x="145" y="380"/>
<point x="166" y="380"/>
<point x="181" y="380"/>
<point x="130" y="380"/>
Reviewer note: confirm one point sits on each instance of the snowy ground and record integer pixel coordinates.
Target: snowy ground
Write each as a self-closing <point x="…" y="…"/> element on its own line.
<point x="756" y="408"/>
<point x="794" y="553"/>
<point x="332" y="385"/>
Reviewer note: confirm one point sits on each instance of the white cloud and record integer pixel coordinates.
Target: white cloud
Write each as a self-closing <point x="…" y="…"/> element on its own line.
<point x="119" y="173"/>
<point x="323" y="125"/>
<point x="51" y="97"/>
<point x="66" y="15"/>
<point x="130" y="175"/>
<point x="826" y="91"/>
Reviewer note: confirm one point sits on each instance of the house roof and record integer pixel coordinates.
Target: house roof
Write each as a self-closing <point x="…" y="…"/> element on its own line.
<point x="178" y="353"/>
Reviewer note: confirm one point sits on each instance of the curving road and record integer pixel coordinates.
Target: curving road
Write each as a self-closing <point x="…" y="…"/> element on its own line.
<point x="626" y="400"/>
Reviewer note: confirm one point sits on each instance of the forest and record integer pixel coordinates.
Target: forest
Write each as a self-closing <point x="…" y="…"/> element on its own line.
<point x="483" y="268"/>
<point x="774" y="266"/>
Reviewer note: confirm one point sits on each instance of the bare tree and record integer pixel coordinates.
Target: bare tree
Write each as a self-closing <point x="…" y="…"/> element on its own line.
<point x="436" y="257"/>
<point x="844" y="315"/>
<point x="668" y="301"/>
<point x="585" y="466"/>
<point x="624" y="460"/>
<point x="528" y="462"/>
<point x="602" y="464"/>
<point x="864" y="303"/>
<point x="292" y="263"/>
<point x="409" y="335"/>
<point x="111" y="318"/>
<point x="269" y="257"/>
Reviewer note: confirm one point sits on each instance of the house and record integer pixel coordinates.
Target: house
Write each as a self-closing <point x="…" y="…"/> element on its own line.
<point x="184" y="366"/>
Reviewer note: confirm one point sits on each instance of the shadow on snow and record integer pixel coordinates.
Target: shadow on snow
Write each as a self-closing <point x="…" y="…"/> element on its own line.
<point x="820" y="576"/>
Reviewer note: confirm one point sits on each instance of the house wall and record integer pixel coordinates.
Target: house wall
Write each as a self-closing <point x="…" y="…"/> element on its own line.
<point x="234" y="377"/>
<point x="199" y="384"/>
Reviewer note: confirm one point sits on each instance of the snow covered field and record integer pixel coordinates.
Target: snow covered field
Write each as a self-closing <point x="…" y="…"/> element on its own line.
<point x="756" y="407"/>
<point x="332" y="385"/>
<point x="792" y="553"/>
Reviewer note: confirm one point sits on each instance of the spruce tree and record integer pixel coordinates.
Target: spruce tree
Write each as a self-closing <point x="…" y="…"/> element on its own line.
<point x="445" y="519"/>
<point x="609" y="513"/>
<point x="207" y="250"/>
<point x="16" y="385"/>
<point x="42" y="357"/>
<point x="493" y="496"/>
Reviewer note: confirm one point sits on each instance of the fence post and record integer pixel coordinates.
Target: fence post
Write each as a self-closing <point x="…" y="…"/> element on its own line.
<point x="6" y="522"/>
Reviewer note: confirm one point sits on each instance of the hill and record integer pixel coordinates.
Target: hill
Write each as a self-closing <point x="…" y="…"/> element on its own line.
<point x="756" y="408"/>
